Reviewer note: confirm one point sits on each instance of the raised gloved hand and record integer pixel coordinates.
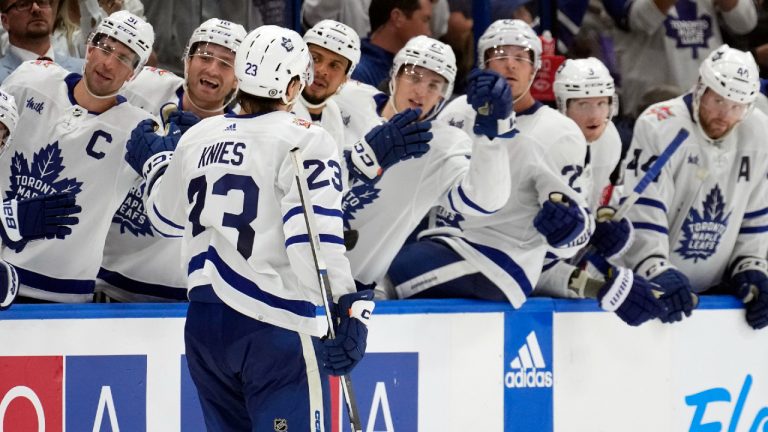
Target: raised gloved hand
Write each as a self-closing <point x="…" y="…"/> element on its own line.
<point x="749" y="283"/>
<point x="9" y="285"/>
<point x="341" y="354"/>
<point x="145" y="143"/>
<point x="560" y="220"/>
<point x="182" y="119"/>
<point x="677" y="294"/>
<point x="491" y="97"/>
<point x="43" y="216"/>
<point x="401" y="138"/>
<point x="611" y="238"/>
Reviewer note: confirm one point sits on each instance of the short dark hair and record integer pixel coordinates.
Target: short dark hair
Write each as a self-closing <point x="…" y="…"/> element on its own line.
<point x="379" y="10"/>
<point x="257" y="104"/>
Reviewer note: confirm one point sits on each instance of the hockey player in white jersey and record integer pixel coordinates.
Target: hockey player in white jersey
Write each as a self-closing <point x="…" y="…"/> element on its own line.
<point x="141" y="263"/>
<point x="703" y="221"/>
<point x="252" y="331"/>
<point x="71" y="138"/>
<point x="45" y="216"/>
<point x="500" y="256"/>
<point x="386" y="212"/>
<point x="584" y="91"/>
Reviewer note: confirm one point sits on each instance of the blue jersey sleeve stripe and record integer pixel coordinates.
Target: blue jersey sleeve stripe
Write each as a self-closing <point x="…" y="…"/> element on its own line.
<point x="165" y="219"/>
<point x="649" y="203"/>
<point x="450" y="202"/>
<point x="651" y="227"/>
<point x="548" y="265"/>
<point x="322" y="211"/>
<point x="143" y="288"/>
<point x="754" y="214"/>
<point x="753" y="230"/>
<point x="507" y="264"/>
<point x="55" y="285"/>
<point x="248" y="287"/>
<point x="304" y="238"/>
<point x="471" y="204"/>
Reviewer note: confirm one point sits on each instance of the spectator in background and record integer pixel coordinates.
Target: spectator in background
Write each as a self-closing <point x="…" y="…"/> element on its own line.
<point x="664" y="41"/>
<point x="75" y="20"/>
<point x="393" y="24"/>
<point x="29" y="25"/>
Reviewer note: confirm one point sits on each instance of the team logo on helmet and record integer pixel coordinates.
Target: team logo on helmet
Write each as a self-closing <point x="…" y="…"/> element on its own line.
<point x="287" y="44"/>
<point x="703" y="231"/>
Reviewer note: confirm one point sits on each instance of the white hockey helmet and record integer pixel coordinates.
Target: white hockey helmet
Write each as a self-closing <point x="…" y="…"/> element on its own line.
<point x="8" y="117"/>
<point x="731" y="73"/>
<point x="584" y="78"/>
<point x="430" y="54"/>
<point x="337" y="37"/>
<point x="218" y="32"/>
<point x="509" y="32"/>
<point x="269" y="58"/>
<point x="132" y="31"/>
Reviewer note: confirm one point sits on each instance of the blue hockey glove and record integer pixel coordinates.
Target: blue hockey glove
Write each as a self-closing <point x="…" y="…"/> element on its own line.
<point x="340" y="355"/>
<point x="491" y="97"/>
<point x="43" y="216"/>
<point x="182" y="119"/>
<point x="628" y="295"/>
<point x="401" y="138"/>
<point x="749" y="282"/>
<point x="145" y="143"/>
<point x="611" y="238"/>
<point x="9" y="285"/>
<point x="560" y="220"/>
<point x="677" y="294"/>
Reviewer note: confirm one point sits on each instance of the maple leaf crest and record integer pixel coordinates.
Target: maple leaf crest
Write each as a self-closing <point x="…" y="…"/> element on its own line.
<point x="131" y="217"/>
<point x="41" y="177"/>
<point x="701" y="232"/>
<point x="456" y="123"/>
<point x="689" y="29"/>
<point x="359" y="195"/>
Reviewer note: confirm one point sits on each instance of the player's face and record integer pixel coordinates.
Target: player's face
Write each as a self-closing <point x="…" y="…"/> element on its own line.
<point x="211" y="75"/>
<point x="591" y="114"/>
<point x="26" y="19"/>
<point x="719" y="115"/>
<point x="330" y="74"/>
<point x="514" y="63"/>
<point x="108" y="66"/>
<point x="4" y="134"/>
<point x="419" y="87"/>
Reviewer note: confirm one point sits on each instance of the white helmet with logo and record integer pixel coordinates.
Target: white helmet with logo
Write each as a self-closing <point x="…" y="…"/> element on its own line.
<point x="269" y="58"/>
<point x="430" y="54"/>
<point x="8" y="116"/>
<point x="509" y="32"/>
<point x="218" y="32"/>
<point x="131" y="30"/>
<point x="584" y="78"/>
<point x="337" y="37"/>
<point x="732" y="74"/>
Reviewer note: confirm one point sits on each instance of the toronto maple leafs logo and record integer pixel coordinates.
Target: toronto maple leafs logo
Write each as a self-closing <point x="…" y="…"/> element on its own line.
<point x="131" y="216"/>
<point x="702" y="231"/>
<point x="456" y="123"/>
<point x="359" y="195"/>
<point x="447" y="218"/>
<point x="41" y="177"/>
<point x="689" y="29"/>
<point x="287" y="44"/>
<point x="345" y="118"/>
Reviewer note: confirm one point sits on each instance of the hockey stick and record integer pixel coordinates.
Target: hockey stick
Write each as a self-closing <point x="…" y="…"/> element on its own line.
<point x="325" y="283"/>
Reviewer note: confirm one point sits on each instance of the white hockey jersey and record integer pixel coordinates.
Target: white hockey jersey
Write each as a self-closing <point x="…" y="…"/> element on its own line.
<point x="141" y="264"/>
<point x="230" y="190"/>
<point x="547" y="155"/>
<point x="708" y="206"/>
<point x="59" y="146"/>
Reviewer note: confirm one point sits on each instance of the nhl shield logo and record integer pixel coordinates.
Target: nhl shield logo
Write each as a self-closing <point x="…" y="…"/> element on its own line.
<point x="280" y="425"/>
<point x="287" y="44"/>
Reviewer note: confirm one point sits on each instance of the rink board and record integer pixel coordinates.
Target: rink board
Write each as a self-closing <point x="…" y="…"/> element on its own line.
<point x="431" y="366"/>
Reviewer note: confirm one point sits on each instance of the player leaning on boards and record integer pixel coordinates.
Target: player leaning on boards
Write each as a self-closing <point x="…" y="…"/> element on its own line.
<point x="585" y="93"/>
<point x="140" y="263"/>
<point x="386" y="212"/>
<point x="500" y="256"/>
<point x="703" y="222"/>
<point x="252" y="334"/>
<point x="41" y="217"/>
<point x="71" y="138"/>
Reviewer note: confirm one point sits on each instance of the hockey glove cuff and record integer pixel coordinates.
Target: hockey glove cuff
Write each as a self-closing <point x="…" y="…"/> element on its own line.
<point x="612" y="238"/>
<point x="9" y="285"/>
<point x="749" y="282"/>
<point x="43" y="216"/>
<point x="677" y="294"/>
<point x="341" y="354"/>
<point x="561" y="220"/>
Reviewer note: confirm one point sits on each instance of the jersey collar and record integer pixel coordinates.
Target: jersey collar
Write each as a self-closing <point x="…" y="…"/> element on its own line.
<point x="71" y="80"/>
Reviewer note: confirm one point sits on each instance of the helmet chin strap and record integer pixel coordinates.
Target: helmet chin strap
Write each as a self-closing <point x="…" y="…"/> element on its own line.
<point x="309" y="104"/>
<point x="94" y="95"/>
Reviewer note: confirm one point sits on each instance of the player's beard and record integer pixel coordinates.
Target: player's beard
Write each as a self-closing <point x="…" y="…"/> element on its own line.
<point x="314" y="100"/>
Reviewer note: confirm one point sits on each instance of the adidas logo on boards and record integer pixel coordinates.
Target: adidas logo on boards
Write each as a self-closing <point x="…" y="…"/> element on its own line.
<point x="231" y="128"/>
<point x="527" y="366"/>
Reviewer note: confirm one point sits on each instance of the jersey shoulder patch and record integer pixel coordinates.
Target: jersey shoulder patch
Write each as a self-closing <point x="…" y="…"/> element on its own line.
<point x="302" y="122"/>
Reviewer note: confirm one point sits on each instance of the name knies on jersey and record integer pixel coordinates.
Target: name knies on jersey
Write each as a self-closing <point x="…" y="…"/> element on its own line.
<point x="224" y="152"/>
